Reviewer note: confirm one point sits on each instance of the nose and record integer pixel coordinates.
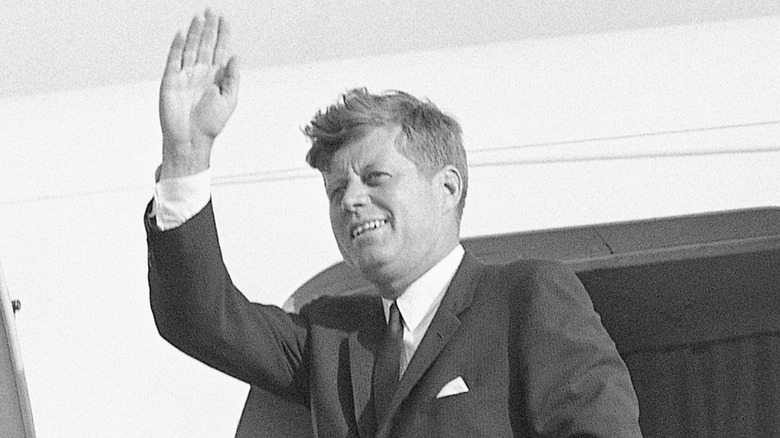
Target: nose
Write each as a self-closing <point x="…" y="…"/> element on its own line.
<point x="355" y="196"/>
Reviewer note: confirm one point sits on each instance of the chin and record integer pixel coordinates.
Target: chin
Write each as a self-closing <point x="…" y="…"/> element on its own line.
<point x="371" y="269"/>
<point x="368" y="267"/>
<point x="373" y="257"/>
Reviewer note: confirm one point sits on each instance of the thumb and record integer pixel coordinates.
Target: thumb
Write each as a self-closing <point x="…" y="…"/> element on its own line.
<point x="228" y="83"/>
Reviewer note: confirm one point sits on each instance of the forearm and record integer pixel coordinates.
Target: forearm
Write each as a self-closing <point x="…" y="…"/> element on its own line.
<point x="198" y="309"/>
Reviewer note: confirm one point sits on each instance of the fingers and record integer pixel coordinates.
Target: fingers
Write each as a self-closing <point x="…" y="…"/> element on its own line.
<point x="206" y="43"/>
<point x="208" y="39"/>
<point x="223" y="43"/>
<point x="190" y="54"/>
<point x="173" y="64"/>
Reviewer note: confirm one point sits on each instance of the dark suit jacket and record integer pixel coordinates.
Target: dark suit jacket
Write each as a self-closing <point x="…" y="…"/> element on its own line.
<point x="523" y="336"/>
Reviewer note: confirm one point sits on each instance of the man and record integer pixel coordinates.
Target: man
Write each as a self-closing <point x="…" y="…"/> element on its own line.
<point x="452" y="348"/>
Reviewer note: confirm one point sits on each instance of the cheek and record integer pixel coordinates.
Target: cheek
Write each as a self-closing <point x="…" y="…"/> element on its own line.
<point x="424" y="206"/>
<point x="418" y="222"/>
<point x="335" y="223"/>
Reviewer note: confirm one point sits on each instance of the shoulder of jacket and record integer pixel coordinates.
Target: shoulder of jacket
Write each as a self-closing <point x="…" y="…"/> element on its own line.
<point x="341" y="308"/>
<point x="528" y="267"/>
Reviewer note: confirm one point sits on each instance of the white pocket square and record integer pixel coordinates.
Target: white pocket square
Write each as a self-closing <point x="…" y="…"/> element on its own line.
<point x="456" y="386"/>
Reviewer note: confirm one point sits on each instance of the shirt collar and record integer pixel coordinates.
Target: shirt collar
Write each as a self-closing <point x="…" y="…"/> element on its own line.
<point x="427" y="291"/>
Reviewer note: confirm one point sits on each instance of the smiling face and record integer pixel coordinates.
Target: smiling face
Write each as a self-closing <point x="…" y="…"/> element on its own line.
<point x="390" y="220"/>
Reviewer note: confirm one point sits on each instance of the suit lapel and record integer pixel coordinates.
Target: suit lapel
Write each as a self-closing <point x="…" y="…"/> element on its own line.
<point x="443" y="326"/>
<point x="363" y="346"/>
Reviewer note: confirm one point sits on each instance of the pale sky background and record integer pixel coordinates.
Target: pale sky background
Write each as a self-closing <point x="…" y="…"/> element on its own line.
<point x="53" y="45"/>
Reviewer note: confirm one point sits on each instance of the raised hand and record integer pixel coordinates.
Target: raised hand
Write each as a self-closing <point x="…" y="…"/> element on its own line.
<point x="199" y="92"/>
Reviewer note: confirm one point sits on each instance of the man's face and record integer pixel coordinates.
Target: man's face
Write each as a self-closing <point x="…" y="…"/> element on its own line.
<point x="387" y="217"/>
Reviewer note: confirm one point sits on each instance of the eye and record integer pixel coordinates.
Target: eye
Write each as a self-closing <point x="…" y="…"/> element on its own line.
<point x="375" y="177"/>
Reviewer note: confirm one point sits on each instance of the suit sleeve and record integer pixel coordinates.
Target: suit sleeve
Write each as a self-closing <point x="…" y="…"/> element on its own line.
<point x="197" y="308"/>
<point x="577" y="383"/>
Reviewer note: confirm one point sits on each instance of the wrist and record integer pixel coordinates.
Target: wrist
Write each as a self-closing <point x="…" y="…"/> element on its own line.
<point x="184" y="159"/>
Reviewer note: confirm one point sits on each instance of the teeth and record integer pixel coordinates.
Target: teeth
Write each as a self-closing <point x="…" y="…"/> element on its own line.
<point x="370" y="225"/>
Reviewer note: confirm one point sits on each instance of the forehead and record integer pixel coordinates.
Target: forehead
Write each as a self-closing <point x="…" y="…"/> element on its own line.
<point x="378" y="146"/>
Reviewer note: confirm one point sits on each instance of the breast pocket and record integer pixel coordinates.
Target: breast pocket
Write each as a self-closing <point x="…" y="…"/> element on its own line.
<point x="480" y="412"/>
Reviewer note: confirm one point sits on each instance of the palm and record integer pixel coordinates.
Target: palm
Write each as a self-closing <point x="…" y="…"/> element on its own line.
<point x="191" y="105"/>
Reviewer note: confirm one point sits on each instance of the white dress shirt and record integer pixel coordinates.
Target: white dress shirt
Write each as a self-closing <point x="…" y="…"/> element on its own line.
<point x="421" y="300"/>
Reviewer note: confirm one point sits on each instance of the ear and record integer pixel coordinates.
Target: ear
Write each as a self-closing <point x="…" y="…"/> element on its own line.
<point x="451" y="184"/>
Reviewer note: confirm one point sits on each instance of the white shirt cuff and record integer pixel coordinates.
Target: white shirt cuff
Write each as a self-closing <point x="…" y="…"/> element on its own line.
<point x="177" y="200"/>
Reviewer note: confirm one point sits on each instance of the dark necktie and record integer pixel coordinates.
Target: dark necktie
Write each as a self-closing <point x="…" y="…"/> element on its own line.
<point x="387" y="365"/>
